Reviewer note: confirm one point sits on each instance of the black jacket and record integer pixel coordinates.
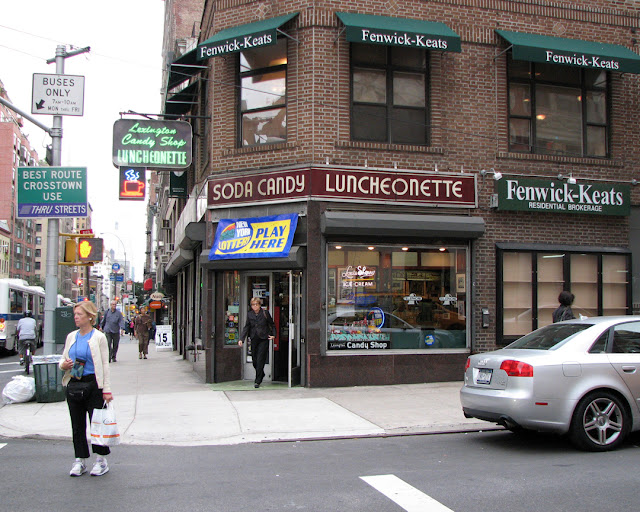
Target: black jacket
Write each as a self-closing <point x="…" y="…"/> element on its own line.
<point x="563" y="313"/>
<point x="258" y="326"/>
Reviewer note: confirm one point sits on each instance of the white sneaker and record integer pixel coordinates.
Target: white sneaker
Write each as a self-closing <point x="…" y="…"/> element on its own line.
<point x="78" y="468"/>
<point x="100" y="467"/>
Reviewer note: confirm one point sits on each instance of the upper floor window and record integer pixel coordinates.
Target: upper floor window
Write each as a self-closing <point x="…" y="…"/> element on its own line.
<point x="38" y="240"/>
<point x="389" y="94"/>
<point x="558" y="110"/>
<point x="263" y="95"/>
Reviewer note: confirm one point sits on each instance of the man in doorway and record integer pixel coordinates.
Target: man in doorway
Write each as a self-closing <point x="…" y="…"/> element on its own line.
<point x="112" y="323"/>
<point x="143" y="326"/>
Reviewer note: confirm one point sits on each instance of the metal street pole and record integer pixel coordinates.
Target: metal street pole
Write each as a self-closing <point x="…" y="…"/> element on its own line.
<point x="51" y="281"/>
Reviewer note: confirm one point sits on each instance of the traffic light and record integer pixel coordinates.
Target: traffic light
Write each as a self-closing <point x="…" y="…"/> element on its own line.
<point x="70" y="249"/>
<point x="90" y="249"/>
<point x="79" y="282"/>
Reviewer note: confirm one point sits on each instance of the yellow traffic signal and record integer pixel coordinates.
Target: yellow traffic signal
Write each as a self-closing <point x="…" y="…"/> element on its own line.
<point x="70" y="249"/>
<point x="90" y="249"/>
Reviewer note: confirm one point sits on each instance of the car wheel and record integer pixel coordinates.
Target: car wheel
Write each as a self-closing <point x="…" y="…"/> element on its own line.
<point x="599" y="423"/>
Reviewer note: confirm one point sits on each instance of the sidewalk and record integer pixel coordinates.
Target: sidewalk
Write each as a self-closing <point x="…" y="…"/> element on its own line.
<point x="162" y="401"/>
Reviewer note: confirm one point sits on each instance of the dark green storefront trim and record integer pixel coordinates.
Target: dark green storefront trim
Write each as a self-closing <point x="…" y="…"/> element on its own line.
<point x="243" y="37"/>
<point x="405" y="32"/>
<point x="571" y="52"/>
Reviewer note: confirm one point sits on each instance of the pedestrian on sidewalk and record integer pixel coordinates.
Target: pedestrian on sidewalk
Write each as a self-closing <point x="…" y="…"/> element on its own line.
<point x="260" y="328"/>
<point x="112" y="323"/>
<point x="85" y="361"/>
<point x="143" y="326"/>
<point x="564" y="311"/>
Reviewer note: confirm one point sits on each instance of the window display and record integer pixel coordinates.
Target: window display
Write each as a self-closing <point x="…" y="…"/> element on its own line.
<point x="394" y="297"/>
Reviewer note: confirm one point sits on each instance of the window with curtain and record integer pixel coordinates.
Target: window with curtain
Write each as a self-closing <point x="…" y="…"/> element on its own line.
<point x="263" y="95"/>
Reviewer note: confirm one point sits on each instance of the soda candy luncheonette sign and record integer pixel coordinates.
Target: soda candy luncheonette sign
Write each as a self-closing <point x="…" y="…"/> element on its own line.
<point x="455" y="190"/>
<point x="150" y="143"/>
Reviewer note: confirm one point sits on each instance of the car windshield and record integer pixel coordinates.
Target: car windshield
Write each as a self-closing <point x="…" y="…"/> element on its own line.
<point x="550" y="337"/>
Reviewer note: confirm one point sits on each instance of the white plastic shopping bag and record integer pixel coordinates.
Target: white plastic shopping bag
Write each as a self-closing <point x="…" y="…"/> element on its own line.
<point x="19" y="389"/>
<point x="104" y="428"/>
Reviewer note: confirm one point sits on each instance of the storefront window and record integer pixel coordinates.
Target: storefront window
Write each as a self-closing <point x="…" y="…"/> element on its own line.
<point x="263" y="95"/>
<point x="389" y="94"/>
<point x="231" y="307"/>
<point x="394" y="297"/>
<point x="557" y="110"/>
<point x="532" y="280"/>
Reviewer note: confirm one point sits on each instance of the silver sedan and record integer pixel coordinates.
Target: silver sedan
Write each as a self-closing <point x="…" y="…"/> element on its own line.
<point x="580" y="377"/>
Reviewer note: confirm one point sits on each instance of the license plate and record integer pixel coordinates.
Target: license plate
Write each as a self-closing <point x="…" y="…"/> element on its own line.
<point x="484" y="376"/>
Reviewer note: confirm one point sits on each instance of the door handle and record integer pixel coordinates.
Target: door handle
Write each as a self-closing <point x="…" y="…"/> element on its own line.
<point x="629" y="369"/>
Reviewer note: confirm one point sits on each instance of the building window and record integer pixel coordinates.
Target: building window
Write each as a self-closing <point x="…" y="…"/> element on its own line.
<point x="558" y="110"/>
<point x="18" y="248"/>
<point x="37" y="265"/>
<point x="27" y="266"/>
<point x="38" y="253"/>
<point x="19" y="233"/>
<point x="38" y="240"/>
<point x="28" y="252"/>
<point x="263" y="95"/>
<point x="38" y="228"/>
<point x="532" y="280"/>
<point x="389" y="94"/>
<point x="395" y="298"/>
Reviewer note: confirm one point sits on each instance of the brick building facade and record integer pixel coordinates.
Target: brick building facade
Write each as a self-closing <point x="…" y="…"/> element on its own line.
<point x="459" y="163"/>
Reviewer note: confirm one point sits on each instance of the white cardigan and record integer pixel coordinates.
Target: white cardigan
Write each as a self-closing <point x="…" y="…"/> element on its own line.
<point x="100" y="355"/>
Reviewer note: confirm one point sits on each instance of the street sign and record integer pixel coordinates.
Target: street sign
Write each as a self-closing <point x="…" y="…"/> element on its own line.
<point x="119" y="277"/>
<point x="57" y="95"/>
<point x="115" y="266"/>
<point x="86" y="231"/>
<point x="112" y="276"/>
<point x="52" y="192"/>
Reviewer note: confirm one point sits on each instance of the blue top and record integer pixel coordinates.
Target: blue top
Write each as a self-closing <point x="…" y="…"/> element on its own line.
<point x="80" y="350"/>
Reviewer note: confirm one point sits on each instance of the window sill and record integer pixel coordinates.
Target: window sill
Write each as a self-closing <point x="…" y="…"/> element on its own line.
<point x="601" y="162"/>
<point x="382" y="146"/>
<point x="259" y="149"/>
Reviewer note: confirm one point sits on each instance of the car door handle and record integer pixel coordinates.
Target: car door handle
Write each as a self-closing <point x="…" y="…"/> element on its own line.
<point x="629" y="369"/>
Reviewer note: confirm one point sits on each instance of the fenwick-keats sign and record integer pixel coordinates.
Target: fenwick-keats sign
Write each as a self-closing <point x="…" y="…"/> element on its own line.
<point x="150" y="143"/>
<point x="539" y="195"/>
<point x="586" y="61"/>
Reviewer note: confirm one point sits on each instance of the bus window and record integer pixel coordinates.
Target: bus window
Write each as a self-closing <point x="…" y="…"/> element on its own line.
<point x="41" y="305"/>
<point x="16" y="301"/>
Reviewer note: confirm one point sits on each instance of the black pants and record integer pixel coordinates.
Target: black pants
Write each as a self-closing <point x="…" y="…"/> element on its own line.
<point x="78" y="410"/>
<point x="113" y="340"/>
<point x="259" y="352"/>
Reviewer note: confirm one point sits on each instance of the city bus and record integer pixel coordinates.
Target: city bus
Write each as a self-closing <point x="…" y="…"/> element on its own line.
<point x="16" y="297"/>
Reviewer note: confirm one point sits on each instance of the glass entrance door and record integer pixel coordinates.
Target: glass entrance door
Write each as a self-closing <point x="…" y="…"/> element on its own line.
<point x="256" y="285"/>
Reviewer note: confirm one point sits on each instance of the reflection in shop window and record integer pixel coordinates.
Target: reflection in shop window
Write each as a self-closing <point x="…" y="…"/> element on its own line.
<point x="390" y="297"/>
<point x="231" y="292"/>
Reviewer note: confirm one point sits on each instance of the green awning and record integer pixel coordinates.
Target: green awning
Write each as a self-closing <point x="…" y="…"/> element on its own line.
<point x="243" y="37"/>
<point x="183" y="68"/>
<point x="571" y="52"/>
<point x="409" y="33"/>
<point x="181" y="102"/>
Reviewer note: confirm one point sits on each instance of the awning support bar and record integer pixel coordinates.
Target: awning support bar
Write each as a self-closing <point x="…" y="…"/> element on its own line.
<point x="503" y="51"/>
<point x="287" y="35"/>
<point x="340" y="33"/>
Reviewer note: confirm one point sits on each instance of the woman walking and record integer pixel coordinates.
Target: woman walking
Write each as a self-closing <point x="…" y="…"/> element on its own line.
<point x="260" y="329"/>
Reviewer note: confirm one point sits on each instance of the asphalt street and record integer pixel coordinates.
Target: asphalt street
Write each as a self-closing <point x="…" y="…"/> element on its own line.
<point x="473" y="472"/>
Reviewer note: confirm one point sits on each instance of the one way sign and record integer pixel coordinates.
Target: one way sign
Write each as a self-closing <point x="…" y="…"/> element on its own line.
<point x="57" y="95"/>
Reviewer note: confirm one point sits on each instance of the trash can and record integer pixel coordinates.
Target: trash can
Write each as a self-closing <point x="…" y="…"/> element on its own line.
<point x="48" y="379"/>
